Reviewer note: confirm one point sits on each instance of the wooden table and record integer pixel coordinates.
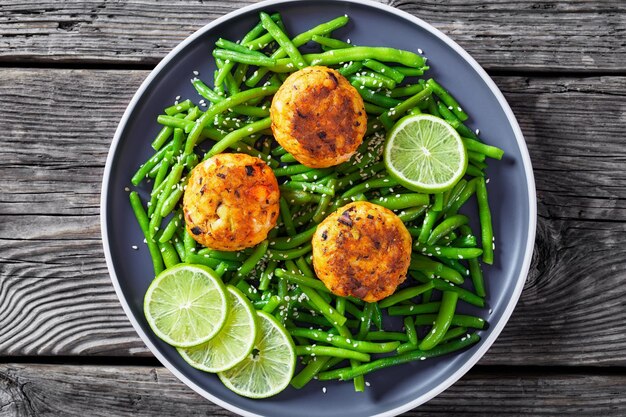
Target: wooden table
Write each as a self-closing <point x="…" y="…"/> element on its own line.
<point x="69" y="68"/>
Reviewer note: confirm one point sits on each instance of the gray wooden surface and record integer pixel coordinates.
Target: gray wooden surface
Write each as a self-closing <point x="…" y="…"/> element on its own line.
<point x="67" y="72"/>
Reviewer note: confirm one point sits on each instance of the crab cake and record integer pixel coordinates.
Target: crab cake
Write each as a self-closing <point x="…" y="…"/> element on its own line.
<point x="362" y="250"/>
<point x="318" y="117"/>
<point x="231" y="202"/>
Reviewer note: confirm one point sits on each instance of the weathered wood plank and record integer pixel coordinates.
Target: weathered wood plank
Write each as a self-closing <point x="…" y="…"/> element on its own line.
<point x="55" y="294"/>
<point x="50" y="390"/>
<point x="547" y="35"/>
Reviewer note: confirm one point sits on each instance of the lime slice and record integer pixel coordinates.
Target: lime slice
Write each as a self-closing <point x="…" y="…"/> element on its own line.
<point x="233" y="342"/>
<point x="424" y="153"/>
<point x="267" y="370"/>
<point x="186" y="305"/>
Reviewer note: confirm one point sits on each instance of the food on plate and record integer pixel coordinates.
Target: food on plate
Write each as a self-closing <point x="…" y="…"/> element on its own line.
<point x="318" y="117"/>
<point x="231" y="202"/>
<point x="362" y="250"/>
<point x="275" y="184"/>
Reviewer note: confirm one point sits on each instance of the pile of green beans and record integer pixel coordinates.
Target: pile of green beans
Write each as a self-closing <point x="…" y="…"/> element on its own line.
<point x="336" y="337"/>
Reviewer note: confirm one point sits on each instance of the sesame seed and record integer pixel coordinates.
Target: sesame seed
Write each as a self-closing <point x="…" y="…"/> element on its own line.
<point x="134" y="247"/>
<point x="126" y="189"/>
<point x="324" y="390"/>
<point x="196" y="73"/>
<point x="419" y="51"/>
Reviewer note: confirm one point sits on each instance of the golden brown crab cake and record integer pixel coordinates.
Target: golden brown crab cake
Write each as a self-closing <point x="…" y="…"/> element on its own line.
<point x="231" y="202"/>
<point x="362" y="250"/>
<point x="318" y="117"/>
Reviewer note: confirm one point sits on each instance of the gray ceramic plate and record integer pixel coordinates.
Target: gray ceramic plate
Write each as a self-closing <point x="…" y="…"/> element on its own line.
<point x="511" y="188"/>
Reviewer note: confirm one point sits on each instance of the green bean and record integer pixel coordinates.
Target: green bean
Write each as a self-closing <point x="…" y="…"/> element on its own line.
<point x="300" y="197"/>
<point x="323" y="307"/>
<point x="385" y="181"/>
<point x="180" y="248"/>
<point x="143" y="170"/>
<point x="411" y="214"/>
<point x="302" y="280"/>
<point x="405" y="294"/>
<point x="172" y="199"/>
<point x="372" y="97"/>
<point x="142" y="219"/>
<point x="285" y="215"/>
<point x="443" y="321"/>
<point x="224" y="255"/>
<point x="438" y="202"/>
<point x="350" y="373"/>
<point x="282" y="39"/>
<point x="236" y="135"/>
<point x="414" y="309"/>
<point x="162" y="137"/>
<point x="249" y="291"/>
<point x="350" y="68"/>
<point x="373" y="80"/>
<point x="429" y="221"/>
<point x="456" y="203"/>
<point x="486" y="228"/>
<point x="383" y="335"/>
<point x="396" y="112"/>
<point x="477" y="277"/>
<point x="366" y="320"/>
<point x="402" y="201"/>
<point x="373" y="108"/>
<point x="288" y="254"/>
<point x="431" y="107"/>
<point x="232" y="46"/>
<point x="285" y="243"/>
<point x="267" y="275"/>
<point x="168" y="253"/>
<point x="291" y="170"/>
<point x="422" y="263"/>
<point x="309" y="371"/>
<point x="475" y="156"/>
<point x="447" y="98"/>
<point x="205" y="91"/>
<point x="474" y="171"/>
<point x="312" y="174"/>
<point x="445" y="227"/>
<point x="362" y="53"/>
<point x="244" y="58"/>
<point x="448" y="252"/>
<point x="305" y="186"/>
<point x="322" y="207"/>
<point x="457" y="320"/>
<point x="310" y="319"/>
<point x="383" y="69"/>
<point x="411" y="72"/>
<point x="172" y="226"/>
<point x="344" y="342"/>
<point x="330" y="42"/>
<point x="273" y="302"/>
<point x="250" y="263"/>
<point x="454" y="333"/>
<point x="411" y="333"/>
<point x="359" y="175"/>
<point x="190" y="245"/>
<point x="465" y="295"/>
<point x="331" y="351"/>
<point x="377" y="316"/>
<point x="483" y="149"/>
<point x="407" y="90"/>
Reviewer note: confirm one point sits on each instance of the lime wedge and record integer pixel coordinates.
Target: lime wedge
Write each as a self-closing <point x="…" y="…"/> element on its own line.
<point x="424" y="153"/>
<point x="267" y="370"/>
<point x="186" y="305"/>
<point x="233" y="342"/>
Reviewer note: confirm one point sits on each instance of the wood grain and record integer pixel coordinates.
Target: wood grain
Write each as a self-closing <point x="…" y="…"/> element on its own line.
<point x="54" y="390"/>
<point x="55" y="293"/>
<point x="529" y="35"/>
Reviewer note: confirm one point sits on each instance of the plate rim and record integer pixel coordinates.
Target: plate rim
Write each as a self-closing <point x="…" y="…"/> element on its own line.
<point x="532" y="201"/>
